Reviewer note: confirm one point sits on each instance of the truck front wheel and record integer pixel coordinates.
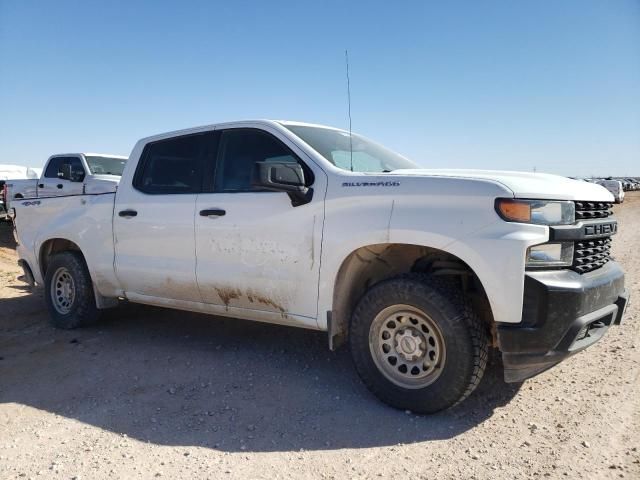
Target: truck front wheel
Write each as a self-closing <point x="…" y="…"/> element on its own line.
<point x="417" y="344"/>
<point x="69" y="291"/>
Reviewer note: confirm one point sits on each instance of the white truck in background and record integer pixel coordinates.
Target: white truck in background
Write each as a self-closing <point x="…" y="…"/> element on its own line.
<point x="10" y="173"/>
<point x="69" y="174"/>
<point x="421" y="271"/>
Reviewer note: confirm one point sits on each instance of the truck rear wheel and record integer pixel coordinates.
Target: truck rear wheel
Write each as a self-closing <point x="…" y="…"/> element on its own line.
<point x="416" y="343"/>
<point x="69" y="291"/>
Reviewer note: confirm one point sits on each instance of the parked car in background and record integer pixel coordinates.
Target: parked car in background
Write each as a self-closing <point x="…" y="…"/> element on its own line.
<point x="632" y="184"/>
<point x="3" y="204"/>
<point x="615" y="187"/>
<point x="626" y="184"/>
<point x="69" y="174"/>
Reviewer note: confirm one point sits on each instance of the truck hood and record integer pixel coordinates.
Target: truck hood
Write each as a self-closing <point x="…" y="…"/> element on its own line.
<point x="523" y="184"/>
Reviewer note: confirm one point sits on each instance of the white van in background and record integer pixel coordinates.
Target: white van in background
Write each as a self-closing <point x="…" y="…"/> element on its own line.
<point x="18" y="172"/>
<point x="615" y="187"/>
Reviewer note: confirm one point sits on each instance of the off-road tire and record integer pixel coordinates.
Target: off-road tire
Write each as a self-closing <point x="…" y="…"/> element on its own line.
<point x="465" y="337"/>
<point x="82" y="311"/>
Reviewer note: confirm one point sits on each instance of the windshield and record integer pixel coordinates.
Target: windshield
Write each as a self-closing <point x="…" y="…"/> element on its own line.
<point x="336" y="147"/>
<point x="106" y="165"/>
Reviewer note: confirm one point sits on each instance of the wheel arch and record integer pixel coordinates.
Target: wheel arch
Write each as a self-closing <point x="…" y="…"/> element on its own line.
<point x="52" y="246"/>
<point x="371" y="264"/>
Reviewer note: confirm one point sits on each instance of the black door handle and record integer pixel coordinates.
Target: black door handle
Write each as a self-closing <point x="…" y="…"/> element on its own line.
<point x="41" y="185"/>
<point x="127" y="213"/>
<point x="212" y="212"/>
<point x="59" y="185"/>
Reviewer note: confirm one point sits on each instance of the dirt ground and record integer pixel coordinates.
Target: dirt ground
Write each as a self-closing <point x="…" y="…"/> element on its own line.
<point x="155" y="393"/>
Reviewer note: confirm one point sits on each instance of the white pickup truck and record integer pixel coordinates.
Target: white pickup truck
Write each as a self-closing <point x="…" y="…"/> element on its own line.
<point x="421" y="271"/>
<point x="67" y="174"/>
<point x="9" y="173"/>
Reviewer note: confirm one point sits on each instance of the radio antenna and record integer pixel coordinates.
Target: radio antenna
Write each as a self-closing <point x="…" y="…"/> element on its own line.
<point x="346" y="59"/>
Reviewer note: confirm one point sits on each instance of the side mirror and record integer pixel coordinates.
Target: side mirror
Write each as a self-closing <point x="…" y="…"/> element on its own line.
<point x="284" y="177"/>
<point x="73" y="173"/>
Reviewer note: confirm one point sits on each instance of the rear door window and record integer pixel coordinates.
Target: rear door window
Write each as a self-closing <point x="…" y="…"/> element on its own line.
<point x="172" y="166"/>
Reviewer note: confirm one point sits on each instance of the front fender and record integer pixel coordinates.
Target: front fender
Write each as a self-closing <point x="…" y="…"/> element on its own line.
<point x="496" y="254"/>
<point x="464" y="224"/>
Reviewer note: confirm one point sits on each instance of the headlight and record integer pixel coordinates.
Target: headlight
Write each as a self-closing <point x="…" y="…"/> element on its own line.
<point x="550" y="255"/>
<point x="541" y="212"/>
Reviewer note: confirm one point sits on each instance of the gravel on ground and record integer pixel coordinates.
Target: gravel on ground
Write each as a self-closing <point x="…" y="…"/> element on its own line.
<point x="152" y="393"/>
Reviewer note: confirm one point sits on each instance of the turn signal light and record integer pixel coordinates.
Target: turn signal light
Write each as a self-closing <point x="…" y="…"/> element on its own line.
<point x="514" y="210"/>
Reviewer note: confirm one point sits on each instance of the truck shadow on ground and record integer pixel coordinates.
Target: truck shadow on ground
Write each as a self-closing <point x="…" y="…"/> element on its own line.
<point x="177" y="378"/>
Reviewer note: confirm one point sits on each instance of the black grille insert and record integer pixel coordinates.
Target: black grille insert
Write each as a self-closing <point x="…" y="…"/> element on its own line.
<point x="589" y="210"/>
<point x="591" y="254"/>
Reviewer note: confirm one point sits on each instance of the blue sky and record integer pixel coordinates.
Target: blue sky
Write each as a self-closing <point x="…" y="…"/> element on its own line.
<point x="494" y="84"/>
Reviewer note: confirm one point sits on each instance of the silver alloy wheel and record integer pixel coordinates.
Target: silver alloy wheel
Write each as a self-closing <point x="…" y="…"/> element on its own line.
<point x="407" y="346"/>
<point x="63" y="290"/>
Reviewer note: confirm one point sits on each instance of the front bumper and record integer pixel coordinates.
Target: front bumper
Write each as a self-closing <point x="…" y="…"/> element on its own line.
<point x="563" y="312"/>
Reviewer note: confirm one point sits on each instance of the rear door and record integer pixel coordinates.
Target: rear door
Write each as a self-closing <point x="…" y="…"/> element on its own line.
<point x="52" y="185"/>
<point x="255" y="250"/>
<point x="154" y="220"/>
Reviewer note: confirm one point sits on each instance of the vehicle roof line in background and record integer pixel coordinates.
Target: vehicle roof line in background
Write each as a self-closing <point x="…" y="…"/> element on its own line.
<point x="92" y="154"/>
<point x="89" y="154"/>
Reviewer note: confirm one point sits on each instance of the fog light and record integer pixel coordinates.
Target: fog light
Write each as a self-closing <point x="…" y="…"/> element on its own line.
<point x="550" y="255"/>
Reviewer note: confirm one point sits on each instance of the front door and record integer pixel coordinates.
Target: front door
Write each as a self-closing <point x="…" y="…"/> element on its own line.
<point x="255" y="250"/>
<point x="154" y="221"/>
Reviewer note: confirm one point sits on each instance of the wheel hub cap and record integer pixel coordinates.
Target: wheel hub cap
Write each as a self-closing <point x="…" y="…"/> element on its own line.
<point x="407" y="346"/>
<point x="63" y="290"/>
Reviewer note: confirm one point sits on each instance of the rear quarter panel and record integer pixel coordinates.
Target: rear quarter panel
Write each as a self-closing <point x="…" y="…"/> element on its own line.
<point x="85" y="220"/>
